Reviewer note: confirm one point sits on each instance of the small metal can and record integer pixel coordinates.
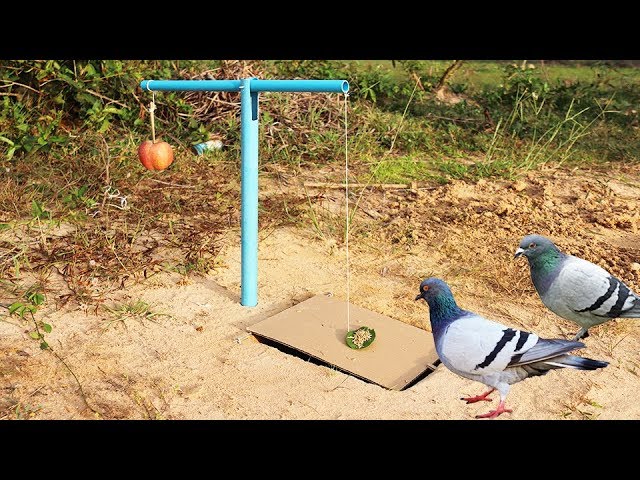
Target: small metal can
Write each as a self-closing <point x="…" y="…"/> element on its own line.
<point x="200" y="148"/>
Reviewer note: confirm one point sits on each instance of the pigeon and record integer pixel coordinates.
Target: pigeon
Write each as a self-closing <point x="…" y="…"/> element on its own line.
<point x="490" y="352"/>
<point x="574" y="288"/>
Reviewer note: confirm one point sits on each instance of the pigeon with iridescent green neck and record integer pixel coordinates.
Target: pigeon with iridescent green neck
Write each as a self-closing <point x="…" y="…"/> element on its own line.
<point x="489" y="352"/>
<point x="576" y="289"/>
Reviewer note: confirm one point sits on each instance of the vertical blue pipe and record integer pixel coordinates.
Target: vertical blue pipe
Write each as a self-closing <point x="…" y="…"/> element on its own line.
<point x="249" y="195"/>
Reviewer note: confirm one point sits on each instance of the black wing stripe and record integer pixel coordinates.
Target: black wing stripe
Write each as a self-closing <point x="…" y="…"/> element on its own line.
<point x="509" y="333"/>
<point x="522" y="340"/>
<point x="613" y="283"/>
<point x="516" y="358"/>
<point x="623" y="294"/>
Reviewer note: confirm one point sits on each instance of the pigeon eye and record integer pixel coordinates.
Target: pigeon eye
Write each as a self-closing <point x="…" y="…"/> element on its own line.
<point x="425" y="288"/>
<point x="532" y="245"/>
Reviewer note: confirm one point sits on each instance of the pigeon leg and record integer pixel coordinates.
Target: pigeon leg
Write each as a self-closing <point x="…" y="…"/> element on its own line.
<point x="496" y="412"/>
<point x="582" y="333"/>
<point x="478" y="398"/>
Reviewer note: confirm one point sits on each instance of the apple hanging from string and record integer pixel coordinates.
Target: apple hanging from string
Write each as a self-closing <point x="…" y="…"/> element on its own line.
<point x="155" y="156"/>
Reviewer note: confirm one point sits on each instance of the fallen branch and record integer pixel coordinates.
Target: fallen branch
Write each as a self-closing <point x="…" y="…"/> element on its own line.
<point x="411" y="185"/>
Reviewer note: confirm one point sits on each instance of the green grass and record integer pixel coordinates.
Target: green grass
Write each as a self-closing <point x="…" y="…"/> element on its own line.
<point x="401" y="170"/>
<point x="571" y="112"/>
<point x="482" y="74"/>
<point x="138" y="310"/>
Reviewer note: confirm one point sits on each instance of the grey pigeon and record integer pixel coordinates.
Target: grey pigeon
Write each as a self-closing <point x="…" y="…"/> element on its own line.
<point x="576" y="289"/>
<point x="489" y="352"/>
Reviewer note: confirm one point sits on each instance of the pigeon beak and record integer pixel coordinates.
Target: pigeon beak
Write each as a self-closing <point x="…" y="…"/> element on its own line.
<point x="418" y="297"/>
<point x="519" y="252"/>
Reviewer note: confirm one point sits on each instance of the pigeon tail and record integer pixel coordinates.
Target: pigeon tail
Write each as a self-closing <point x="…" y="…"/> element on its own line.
<point x="573" y="361"/>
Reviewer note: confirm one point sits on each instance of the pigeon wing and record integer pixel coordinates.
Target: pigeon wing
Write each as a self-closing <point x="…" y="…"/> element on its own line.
<point x="476" y="345"/>
<point x="544" y="349"/>
<point x="586" y="287"/>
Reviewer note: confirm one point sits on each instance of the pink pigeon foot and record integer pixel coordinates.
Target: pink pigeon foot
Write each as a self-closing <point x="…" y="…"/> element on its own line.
<point x="479" y="398"/>
<point x="496" y="412"/>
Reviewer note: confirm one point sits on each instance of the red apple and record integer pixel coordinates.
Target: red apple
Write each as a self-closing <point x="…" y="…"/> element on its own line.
<point x="155" y="156"/>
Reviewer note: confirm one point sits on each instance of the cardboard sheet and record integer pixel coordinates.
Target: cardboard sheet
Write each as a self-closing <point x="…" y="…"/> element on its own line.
<point x="318" y="327"/>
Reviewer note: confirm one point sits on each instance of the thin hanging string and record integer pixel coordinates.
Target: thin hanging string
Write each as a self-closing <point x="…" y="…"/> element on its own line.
<point x="152" y="108"/>
<point x="346" y="195"/>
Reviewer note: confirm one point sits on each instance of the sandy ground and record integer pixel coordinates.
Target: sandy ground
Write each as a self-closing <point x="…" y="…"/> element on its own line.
<point x="196" y="361"/>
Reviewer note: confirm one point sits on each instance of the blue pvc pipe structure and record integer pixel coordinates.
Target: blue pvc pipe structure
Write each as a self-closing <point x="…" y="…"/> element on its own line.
<point x="326" y="86"/>
<point x="249" y="89"/>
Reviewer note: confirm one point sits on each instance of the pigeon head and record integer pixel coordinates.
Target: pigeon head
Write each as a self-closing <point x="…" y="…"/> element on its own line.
<point x="545" y="260"/>
<point x="442" y="305"/>
<point x="534" y="247"/>
<point x="432" y="288"/>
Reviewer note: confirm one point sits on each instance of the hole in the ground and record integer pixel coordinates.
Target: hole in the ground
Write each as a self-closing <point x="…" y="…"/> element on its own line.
<point x="318" y="361"/>
<point x="422" y="376"/>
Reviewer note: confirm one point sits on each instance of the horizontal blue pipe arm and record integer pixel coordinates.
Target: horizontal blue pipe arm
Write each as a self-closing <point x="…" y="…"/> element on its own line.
<point x="328" y="86"/>
<point x="191" y="85"/>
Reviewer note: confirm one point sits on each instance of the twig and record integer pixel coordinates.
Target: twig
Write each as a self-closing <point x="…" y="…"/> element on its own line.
<point x="108" y="178"/>
<point x="96" y="94"/>
<point x="171" y="184"/>
<point x="463" y="120"/>
<point x="82" y="394"/>
<point x="9" y="84"/>
<point x="215" y="100"/>
<point x="113" y="249"/>
<point x="339" y="385"/>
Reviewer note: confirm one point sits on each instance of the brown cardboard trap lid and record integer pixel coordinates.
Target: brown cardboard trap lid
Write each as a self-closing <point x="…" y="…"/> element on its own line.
<point x="400" y="354"/>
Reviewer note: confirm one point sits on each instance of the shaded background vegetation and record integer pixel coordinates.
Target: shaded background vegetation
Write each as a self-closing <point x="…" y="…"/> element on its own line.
<point x="47" y="104"/>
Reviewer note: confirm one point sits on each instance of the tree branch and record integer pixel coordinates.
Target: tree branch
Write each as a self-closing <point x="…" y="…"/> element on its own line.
<point x="447" y="73"/>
